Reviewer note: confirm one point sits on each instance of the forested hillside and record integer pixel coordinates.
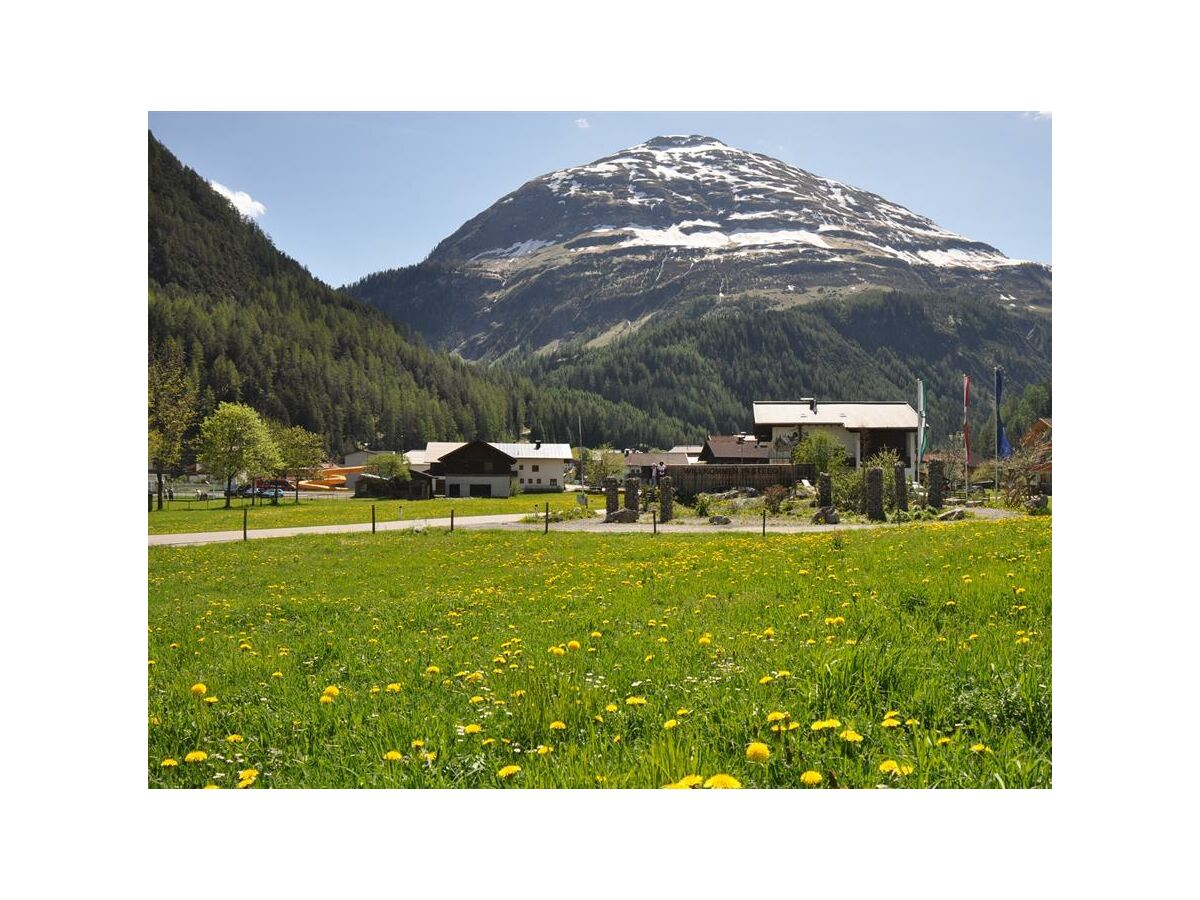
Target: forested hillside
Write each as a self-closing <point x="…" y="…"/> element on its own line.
<point x="254" y="326"/>
<point x="706" y="365"/>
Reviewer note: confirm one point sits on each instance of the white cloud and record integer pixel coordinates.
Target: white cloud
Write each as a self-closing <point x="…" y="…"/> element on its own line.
<point x="242" y="202"/>
<point x="582" y="123"/>
<point x="1037" y="115"/>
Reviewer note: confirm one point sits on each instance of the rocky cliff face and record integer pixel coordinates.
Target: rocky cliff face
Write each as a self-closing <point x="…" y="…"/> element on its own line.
<point x="592" y="252"/>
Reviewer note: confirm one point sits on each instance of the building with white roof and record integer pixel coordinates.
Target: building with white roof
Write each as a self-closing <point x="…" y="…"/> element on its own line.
<point x="539" y="466"/>
<point x="863" y="428"/>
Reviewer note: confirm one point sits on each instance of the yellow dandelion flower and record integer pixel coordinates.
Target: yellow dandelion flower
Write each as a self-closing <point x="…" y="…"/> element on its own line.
<point x="891" y="767"/>
<point x="850" y="736"/>
<point x="557" y="651"/>
<point x="573" y="645"/>
<point x="487" y="742"/>
<point x="429" y="755"/>
<point x="417" y="744"/>
<point x="169" y="763"/>
<point x="723" y="781"/>
<point x="598" y="718"/>
<point x="682" y="711"/>
<point x="212" y="787"/>
<point x="670" y="724"/>
<point x="942" y="741"/>
<point x="199" y="689"/>
<point x="610" y="708"/>
<point x="558" y="726"/>
<point x="508" y="771"/>
<point x="393" y="688"/>
<point x="776" y="716"/>
<point x="331" y="691"/>
<point x="810" y="778"/>
<point x="705" y="640"/>
<point x="544" y="750"/>
<point x="210" y="700"/>
<point x="635" y="701"/>
<point x="234" y="738"/>
<point x="768" y="632"/>
<point x="276" y="674"/>
<point x="432" y="670"/>
<point x="393" y="756"/>
<point x="758" y="752"/>
<point x="980" y="748"/>
<point x="890" y="723"/>
<point x="195" y="756"/>
<point x="783" y="673"/>
<point x="375" y="689"/>
<point x="766" y="679"/>
<point x="473" y="728"/>
<point x="326" y="698"/>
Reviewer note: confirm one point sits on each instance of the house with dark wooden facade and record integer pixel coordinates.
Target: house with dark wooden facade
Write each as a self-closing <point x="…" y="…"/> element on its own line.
<point x="476" y="469"/>
<point x="735" y="450"/>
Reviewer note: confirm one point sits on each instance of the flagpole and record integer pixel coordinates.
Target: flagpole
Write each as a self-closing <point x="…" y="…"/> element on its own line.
<point x="996" y="484"/>
<point x="966" y="440"/>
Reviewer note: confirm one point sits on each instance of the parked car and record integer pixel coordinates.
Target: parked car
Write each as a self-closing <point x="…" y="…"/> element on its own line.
<point x="269" y="493"/>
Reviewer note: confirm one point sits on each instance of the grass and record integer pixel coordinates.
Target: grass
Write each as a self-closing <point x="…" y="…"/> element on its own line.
<point x="178" y="518"/>
<point x="946" y="625"/>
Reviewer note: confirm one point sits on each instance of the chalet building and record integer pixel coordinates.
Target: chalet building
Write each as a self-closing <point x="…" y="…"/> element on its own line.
<point x="478" y="469"/>
<point x="735" y="450"/>
<point x="538" y="467"/>
<point x="639" y="465"/>
<point x="691" y="451"/>
<point x="862" y="428"/>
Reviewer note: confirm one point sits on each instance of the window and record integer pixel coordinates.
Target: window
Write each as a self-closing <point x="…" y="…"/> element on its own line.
<point x="535" y="468"/>
<point x="554" y="481"/>
<point x="521" y="467"/>
<point x="539" y="481"/>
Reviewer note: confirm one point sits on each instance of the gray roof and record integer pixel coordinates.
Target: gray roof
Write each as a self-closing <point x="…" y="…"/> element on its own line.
<point x="435" y="450"/>
<point x="849" y="414"/>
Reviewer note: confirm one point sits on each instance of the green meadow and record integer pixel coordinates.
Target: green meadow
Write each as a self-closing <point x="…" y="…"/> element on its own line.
<point x="902" y="657"/>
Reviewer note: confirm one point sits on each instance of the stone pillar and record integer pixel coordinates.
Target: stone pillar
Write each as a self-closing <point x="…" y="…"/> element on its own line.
<point x="937" y="482"/>
<point x="824" y="490"/>
<point x="666" y="499"/>
<point x="875" y="494"/>
<point x="901" y="488"/>
<point x="610" y="495"/>
<point x="631" y="494"/>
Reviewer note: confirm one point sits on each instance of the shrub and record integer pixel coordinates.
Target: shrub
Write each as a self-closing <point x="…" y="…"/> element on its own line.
<point x="703" y="503"/>
<point x="773" y="498"/>
<point x="821" y="451"/>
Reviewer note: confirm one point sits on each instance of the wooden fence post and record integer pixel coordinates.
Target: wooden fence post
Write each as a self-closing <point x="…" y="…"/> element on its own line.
<point x="372" y="518"/>
<point x="245" y="521"/>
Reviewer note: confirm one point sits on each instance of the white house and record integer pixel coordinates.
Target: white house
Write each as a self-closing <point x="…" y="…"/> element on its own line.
<point x="539" y="467"/>
<point x="862" y="428"/>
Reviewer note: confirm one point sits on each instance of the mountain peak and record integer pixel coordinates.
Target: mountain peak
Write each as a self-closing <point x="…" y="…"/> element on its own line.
<point x="683" y="142"/>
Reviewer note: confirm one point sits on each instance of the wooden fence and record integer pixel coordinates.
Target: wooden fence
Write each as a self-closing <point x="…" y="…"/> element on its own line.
<point x="712" y="479"/>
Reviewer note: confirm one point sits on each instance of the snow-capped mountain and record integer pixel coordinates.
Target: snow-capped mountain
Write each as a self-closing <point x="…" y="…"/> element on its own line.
<point x="591" y="251"/>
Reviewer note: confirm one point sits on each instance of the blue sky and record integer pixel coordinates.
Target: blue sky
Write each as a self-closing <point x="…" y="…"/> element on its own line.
<point x="348" y="194"/>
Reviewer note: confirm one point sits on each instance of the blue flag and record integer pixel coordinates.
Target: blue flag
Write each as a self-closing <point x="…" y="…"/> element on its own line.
<point x="1003" y="447"/>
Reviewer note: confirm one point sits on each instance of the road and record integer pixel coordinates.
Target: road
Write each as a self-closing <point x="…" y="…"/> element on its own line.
<point x="216" y="537"/>
<point x="512" y="522"/>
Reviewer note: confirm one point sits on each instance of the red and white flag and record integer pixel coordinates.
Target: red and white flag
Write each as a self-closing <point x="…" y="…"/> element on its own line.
<point x="966" y="429"/>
